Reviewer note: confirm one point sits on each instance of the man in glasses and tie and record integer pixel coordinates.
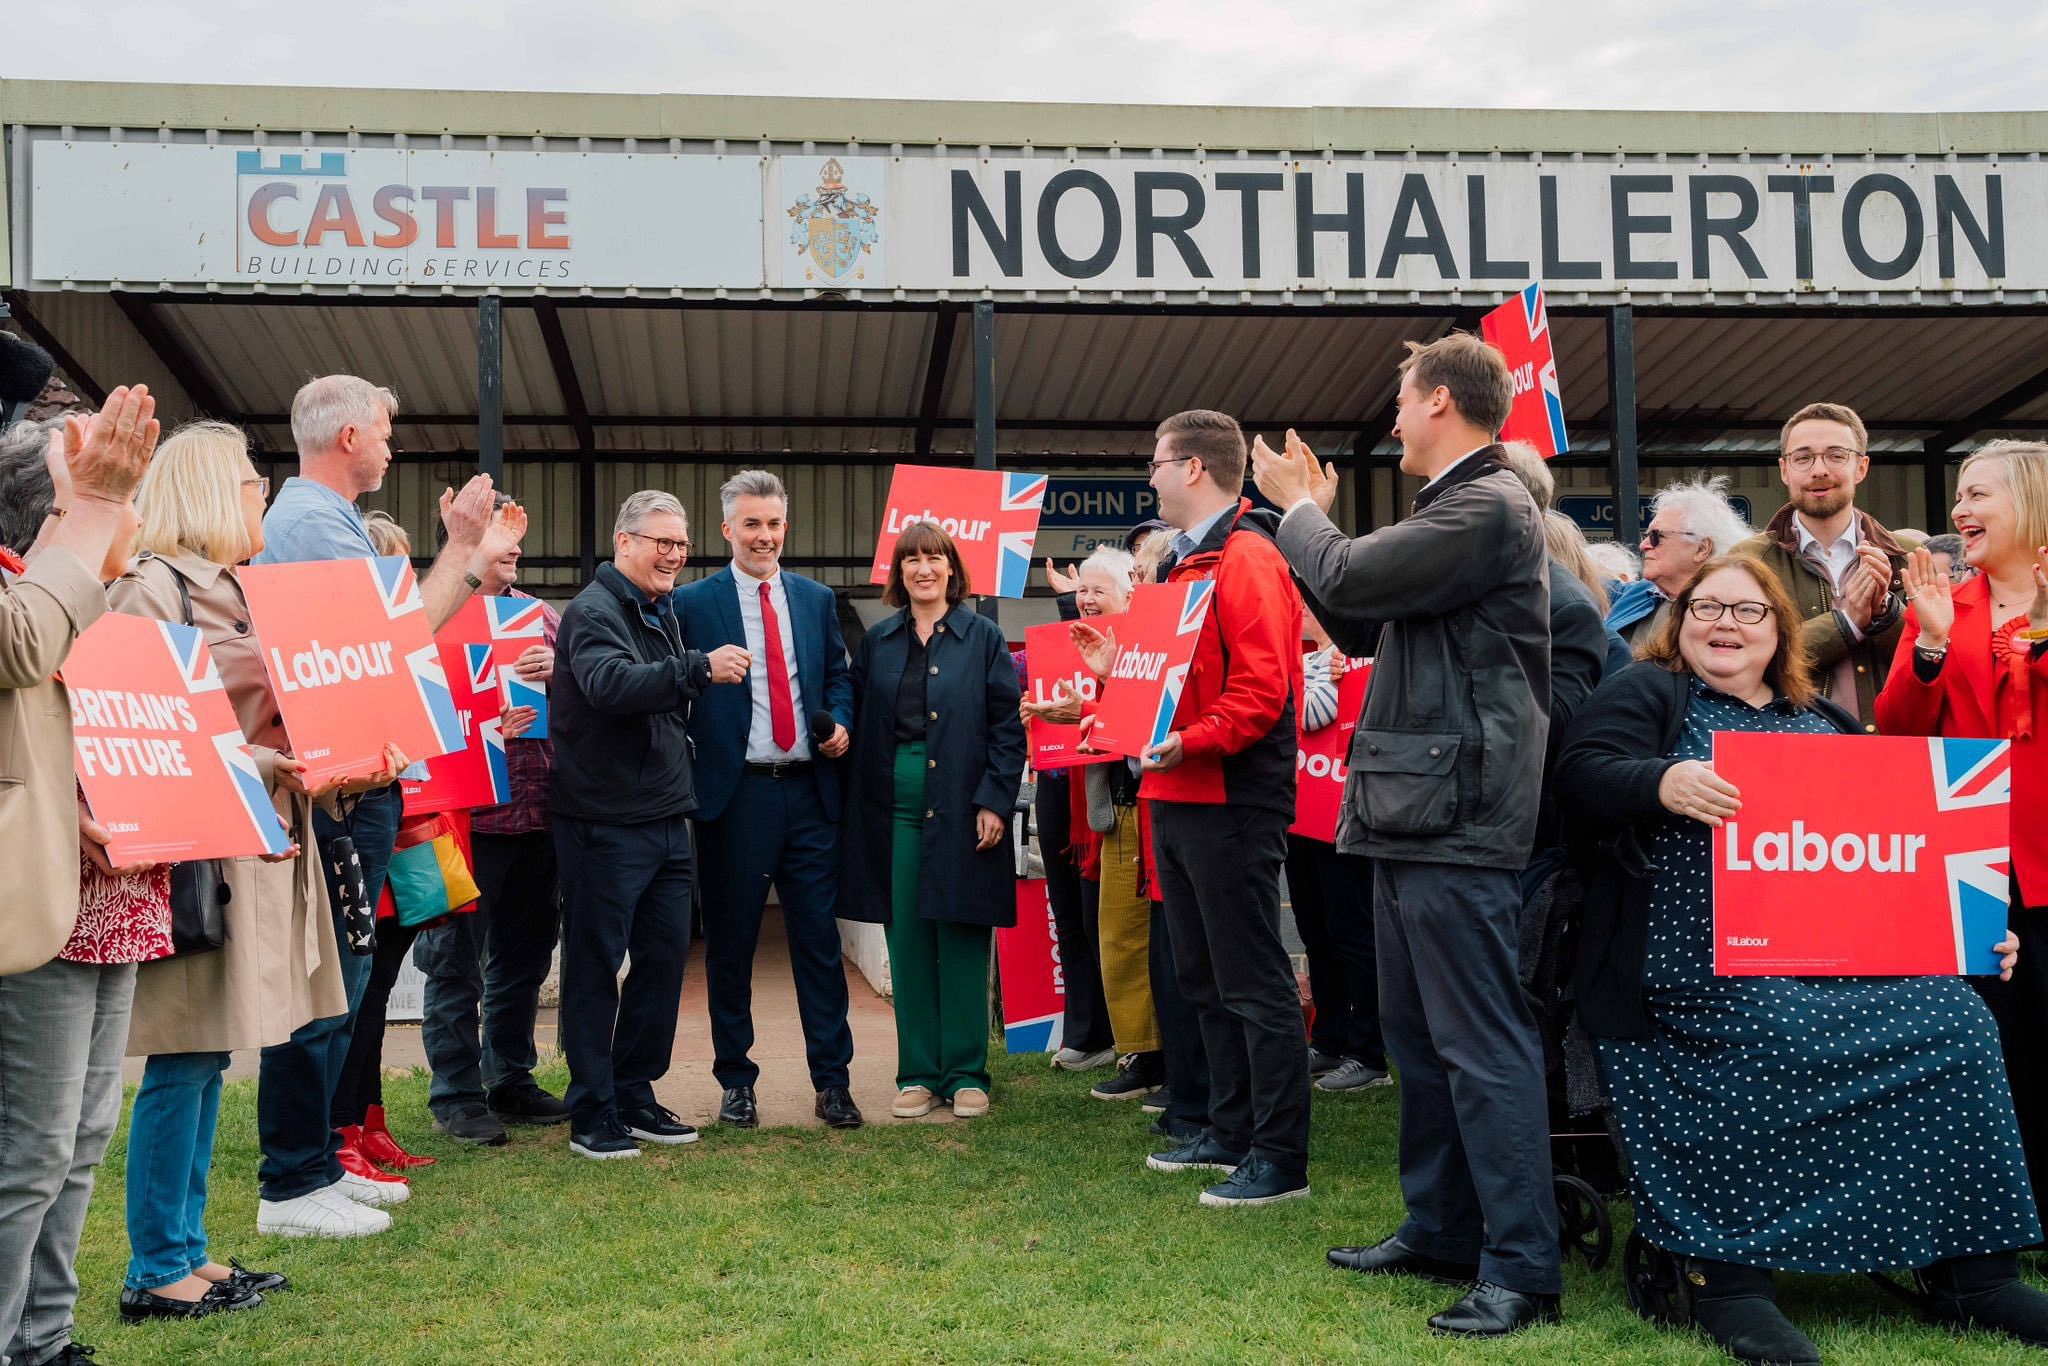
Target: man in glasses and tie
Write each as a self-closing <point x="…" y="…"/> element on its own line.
<point x="1838" y="564"/>
<point x="768" y="796"/>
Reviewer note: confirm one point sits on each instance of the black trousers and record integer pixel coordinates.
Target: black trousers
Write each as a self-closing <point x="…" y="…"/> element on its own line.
<point x="362" y="1072"/>
<point x="1180" y="1033"/>
<point x="625" y="890"/>
<point x="2021" y="1009"/>
<point x="774" y="831"/>
<point x="1332" y="898"/>
<point x="1086" y="1025"/>
<point x="1219" y="868"/>
<point x="1475" y="1123"/>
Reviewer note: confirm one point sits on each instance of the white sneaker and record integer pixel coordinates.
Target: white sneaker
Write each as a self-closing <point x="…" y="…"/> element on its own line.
<point x="376" y="1194"/>
<point x="1074" y="1060"/>
<point x="322" y="1214"/>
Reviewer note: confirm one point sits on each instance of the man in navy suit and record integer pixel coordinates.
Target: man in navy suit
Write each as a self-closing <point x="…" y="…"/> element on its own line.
<point x="768" y="795"/>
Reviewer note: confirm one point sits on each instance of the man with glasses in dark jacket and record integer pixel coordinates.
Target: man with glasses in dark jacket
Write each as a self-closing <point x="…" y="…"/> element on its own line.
<point x="621" y="698"/>
<point x="1445" y="770"/>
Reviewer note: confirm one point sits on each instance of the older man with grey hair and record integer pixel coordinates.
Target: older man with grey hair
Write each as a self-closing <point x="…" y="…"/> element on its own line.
<point x="622" y="791"/>
<point x="1690" y="523"/>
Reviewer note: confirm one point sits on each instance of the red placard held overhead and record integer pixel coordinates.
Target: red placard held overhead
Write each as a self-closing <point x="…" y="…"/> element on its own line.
<point x="1155" y="644"/>
<point x="158" y="750"/>
<point x="992" y="515"/>
<point x="1320" y="756"/>
<point x="1521" y="329"/>
<point x="353" y="663"/>
<point x="1861" y="856"/>
<point x="477" y="774"/>
<point x="1050" y="659"/>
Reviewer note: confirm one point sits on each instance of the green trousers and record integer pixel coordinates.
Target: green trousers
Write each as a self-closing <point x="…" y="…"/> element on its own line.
<point x="938" y="970"/>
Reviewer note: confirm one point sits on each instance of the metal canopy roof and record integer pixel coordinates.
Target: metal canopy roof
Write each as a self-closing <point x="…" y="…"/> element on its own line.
<point x="873" y="385"/>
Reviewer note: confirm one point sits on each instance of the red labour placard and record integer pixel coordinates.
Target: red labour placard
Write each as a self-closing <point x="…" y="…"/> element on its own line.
<point x="992" y="515"/>
<point x="477" y="774"/>
<point x="1034" y="988"/>
<point x="1051" y="659"/>
<point x="1319" y="760"/>
<point x="353" y="663"/>
<point x="1521" y="329"/>
<point x="1861" y="856"/>
<point x="1155" y="644"/>
<point x="157" y="748"/>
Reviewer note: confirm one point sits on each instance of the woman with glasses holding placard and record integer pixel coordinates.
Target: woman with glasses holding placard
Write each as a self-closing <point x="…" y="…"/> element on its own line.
<point x="1771" y="1123"/>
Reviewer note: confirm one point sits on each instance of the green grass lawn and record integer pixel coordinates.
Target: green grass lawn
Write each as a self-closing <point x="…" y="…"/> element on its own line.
<point x="1036" y="1234"/>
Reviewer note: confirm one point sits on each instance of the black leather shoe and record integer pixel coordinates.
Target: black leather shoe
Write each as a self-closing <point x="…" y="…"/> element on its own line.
<point x="836" y="1108"/>
<point x="1392" y="1257"/>
<point x="523" y="1102"/>
<point x="1493" y="1311"/>
<point x="137" y="1305"/>
<point x="261" y="1282"/>
<point x="1736" y="1307"/>
<point x="737" y="1110"/>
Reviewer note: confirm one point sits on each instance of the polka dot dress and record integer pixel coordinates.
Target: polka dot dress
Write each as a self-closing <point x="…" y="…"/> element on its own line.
<point x="1807" y="1124"/>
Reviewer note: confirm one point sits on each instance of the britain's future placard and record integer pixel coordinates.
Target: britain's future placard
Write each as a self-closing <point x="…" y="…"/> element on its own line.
<point x="1155" y="644"/>
<point x="353" y="663"/>
<point x="158" y="750"/>
<point x="1861" y="856"/>
<point x="992" y="515"/>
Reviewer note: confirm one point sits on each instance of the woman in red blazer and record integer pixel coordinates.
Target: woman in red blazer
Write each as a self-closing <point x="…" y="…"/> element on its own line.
<point x="1973" y="662"/>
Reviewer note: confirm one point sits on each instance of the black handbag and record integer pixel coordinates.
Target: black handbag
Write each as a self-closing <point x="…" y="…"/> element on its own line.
<point x="199" y="889"/>
<point x="351" y="896"/>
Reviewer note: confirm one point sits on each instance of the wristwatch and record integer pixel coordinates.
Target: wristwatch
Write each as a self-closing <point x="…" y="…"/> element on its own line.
<point x="472" y="580"/>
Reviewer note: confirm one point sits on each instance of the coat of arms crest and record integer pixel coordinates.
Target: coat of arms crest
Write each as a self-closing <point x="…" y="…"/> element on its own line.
<point x="835" y="227"/>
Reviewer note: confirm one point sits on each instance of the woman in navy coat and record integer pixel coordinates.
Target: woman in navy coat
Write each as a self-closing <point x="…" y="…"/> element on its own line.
<point x="938" y="754"/>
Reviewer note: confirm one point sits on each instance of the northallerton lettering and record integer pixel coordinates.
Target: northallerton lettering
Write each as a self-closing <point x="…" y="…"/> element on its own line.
<point x="1166" y="211"/>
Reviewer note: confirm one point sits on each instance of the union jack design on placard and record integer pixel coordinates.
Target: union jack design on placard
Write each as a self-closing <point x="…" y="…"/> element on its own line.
<point x="195" y="664"/>
<point x="396" y="585"/>
<point x="1971" y="773"/>
<point x="492" y="735"/>
<point x="1968" y="775"/>
<point x="1193" y="613"/>
<point x="1521" y="329"/>
<point x="432" y="682"/>
<point x="483" y="672"/>
<point x="1023" y="498"/>
<point x="515" y="618"/>
<point x="241" y="766"/>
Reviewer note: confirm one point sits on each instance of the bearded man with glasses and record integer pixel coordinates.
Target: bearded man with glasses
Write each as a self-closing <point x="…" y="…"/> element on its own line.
<point x="1840" y="567"/>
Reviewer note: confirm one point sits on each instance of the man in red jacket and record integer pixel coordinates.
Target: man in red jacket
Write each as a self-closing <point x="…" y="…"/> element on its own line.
<point x="1221" y="788"/>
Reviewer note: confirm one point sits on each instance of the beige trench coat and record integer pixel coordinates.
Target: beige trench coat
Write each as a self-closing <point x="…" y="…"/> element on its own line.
<point x="280" y="966"/>
<point x="41" y="614"/>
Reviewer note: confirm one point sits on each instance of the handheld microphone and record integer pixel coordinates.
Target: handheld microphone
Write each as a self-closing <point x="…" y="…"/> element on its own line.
<point x="24" y="369"/>
<point x="822" y="726"/>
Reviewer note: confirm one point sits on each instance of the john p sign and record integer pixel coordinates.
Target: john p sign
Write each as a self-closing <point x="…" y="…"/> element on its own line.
<point x="158" y="750"/>
<point x="1856" y="856"/>
<point x="991" y="515"/>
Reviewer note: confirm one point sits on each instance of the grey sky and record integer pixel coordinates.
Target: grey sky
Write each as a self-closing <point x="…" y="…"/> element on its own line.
<point x="1642" y="54"/>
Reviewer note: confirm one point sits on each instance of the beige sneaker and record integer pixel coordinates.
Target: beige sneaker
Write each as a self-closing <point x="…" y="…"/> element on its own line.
<point x="970" y="1102"/>
<point x="913" y="1101"/>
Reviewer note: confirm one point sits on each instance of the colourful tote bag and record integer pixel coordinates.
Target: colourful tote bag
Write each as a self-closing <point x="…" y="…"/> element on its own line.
<point x="429" y="876"/>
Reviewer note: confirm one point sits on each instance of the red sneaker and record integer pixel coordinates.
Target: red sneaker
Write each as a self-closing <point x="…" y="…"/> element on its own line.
<point x="356" y="1164"/>
<point x="376" y="1143"/>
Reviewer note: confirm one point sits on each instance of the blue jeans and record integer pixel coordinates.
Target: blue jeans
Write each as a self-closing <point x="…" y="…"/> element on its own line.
<point x="297" y="1079"/>
<point x="170" y="1152"/>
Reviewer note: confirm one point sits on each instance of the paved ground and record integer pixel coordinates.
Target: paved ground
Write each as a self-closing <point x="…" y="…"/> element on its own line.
<point x="784" y="1090"/>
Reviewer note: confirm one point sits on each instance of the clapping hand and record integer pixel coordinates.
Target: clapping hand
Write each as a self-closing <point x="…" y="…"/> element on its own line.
<point x="468" y="513"/>
<point x="2037" y="610"/>
<point x="503" y="535"/>
<point x="1288" y="476"/>
<point x="1927" y="588"/>
<point x="1097" y="646"/>
<point x="107" y="453"/>
<point x="1061" y="583"/>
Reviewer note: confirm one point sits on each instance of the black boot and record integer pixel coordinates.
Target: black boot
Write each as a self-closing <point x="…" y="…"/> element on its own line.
<point x="1734" y="1305"/>
<point x="1986" y="1291"/>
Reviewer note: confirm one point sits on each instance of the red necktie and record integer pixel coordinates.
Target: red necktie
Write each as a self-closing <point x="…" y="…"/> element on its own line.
<point x="781" y="707"/>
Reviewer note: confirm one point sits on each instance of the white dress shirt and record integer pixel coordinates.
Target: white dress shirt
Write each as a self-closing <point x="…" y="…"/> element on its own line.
<point x="1840" y="558"/>
<point x="761" y="729"/>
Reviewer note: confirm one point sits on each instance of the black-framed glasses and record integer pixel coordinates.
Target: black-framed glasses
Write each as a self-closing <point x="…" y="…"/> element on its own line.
<point x="1170" y="460"/>
<point x="1837" y="458"/>
<point x="262" y="483"/>
<point x="1710" y="610"/>
<point x="1657" y="535"/>
<point x="662" y="544"/>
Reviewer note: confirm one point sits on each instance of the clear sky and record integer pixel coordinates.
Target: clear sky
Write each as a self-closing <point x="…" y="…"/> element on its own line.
<point x="1633" y="54"/>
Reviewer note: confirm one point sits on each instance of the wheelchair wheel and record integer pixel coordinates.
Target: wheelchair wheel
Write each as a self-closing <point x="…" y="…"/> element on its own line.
<point x="1656" y="1284"/>
<point x="1582" y="1222"/>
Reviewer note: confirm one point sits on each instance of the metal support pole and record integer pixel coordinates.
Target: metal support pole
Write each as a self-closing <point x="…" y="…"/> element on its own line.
<point x="490" y="387"/>
<point x="586" y="513"/>
<point x="1934" y="485"/>
<point x="1621" y="423"/>
<point x="985" y="405"/>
